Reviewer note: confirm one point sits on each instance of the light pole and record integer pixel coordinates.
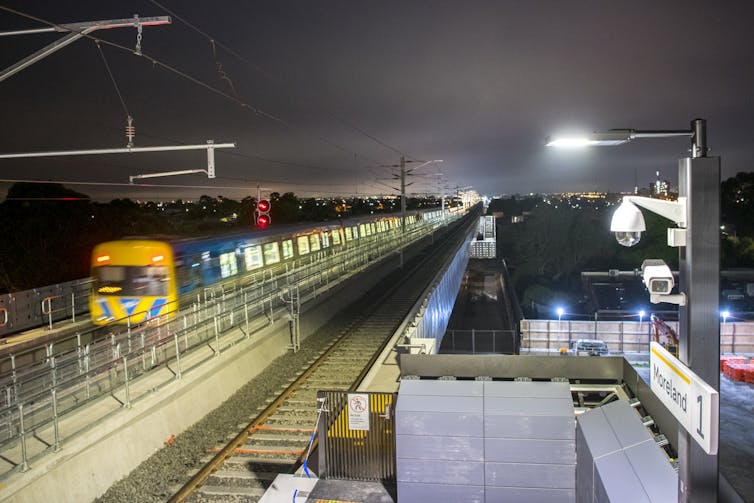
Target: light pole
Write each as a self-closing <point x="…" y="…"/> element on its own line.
<point x="699" y="275"/>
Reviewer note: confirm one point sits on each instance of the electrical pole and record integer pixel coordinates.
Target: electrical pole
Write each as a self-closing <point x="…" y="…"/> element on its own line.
<point x="403" y="195"/>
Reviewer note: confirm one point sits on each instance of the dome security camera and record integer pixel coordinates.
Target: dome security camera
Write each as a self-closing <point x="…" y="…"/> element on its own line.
<point x="627" y="224"/>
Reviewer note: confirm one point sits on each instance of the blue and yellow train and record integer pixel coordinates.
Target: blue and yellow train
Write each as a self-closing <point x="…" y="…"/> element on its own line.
<point x="141" y="278"/>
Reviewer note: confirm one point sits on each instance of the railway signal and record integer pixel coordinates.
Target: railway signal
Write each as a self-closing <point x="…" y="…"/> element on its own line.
<point x="263" y="213"/>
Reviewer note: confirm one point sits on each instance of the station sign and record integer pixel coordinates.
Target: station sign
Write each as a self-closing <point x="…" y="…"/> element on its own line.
<point x="358" y="411"/>
<point x="692" y="401"/>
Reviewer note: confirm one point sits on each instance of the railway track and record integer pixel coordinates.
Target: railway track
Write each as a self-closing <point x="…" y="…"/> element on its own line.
<point x="277" y="440"/>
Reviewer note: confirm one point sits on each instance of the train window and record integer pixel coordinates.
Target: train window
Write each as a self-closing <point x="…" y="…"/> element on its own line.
<point x="303" y="245"/>
<point x="131" y="280"/>
<point x="336" y="237"/>
<point x="228" y="264"/>
<point x="355" y="232"/>
<point x="287" y="249"/>
<point x="349" y="234"/>
<point x="373" y="228"/>
<point x="271" y="253"/>
<point x="363" y="230"/>
<point x="325" y="239"/>
<point x="314" y="242"/>
<point x="253" y="257"/>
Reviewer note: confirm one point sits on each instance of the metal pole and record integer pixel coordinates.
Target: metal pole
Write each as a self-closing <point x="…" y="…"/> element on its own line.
<point x="121" y="150"/>
<point x="24" y="458"/>
<point x="699" y="326"/>
<point x="76" y="31"/>
<point x="56" y="445"/>
<point x="125" y="382"/>
<point x="403" y="195"/>
<point x="177" y="357"/>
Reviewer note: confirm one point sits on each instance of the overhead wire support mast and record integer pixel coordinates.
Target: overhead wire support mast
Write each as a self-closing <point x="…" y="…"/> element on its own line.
<point x="75" y="32"/>
<point x="210" y="147"/>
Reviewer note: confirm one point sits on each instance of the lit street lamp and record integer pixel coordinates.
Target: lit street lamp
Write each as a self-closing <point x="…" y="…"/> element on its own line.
<point x="697" y="214"/>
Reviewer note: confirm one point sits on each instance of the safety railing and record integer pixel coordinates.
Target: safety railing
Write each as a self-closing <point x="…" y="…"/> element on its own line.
<point x="104" y="363"/>
<point x="475" y="341"/>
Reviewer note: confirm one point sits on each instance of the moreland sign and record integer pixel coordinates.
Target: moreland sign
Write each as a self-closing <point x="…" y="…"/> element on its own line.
<point x="692" y="401"/>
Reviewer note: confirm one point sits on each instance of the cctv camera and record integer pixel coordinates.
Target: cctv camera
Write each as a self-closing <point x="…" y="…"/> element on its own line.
<point x="658" y="278"/>
<point x="627" y="224"/>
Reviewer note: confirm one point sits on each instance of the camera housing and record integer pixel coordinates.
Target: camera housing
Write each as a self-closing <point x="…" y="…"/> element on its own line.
<point x="627" y="224"/>
<point x="657" y="276"/>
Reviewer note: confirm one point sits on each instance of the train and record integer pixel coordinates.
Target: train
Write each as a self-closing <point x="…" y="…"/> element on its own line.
<point x="141" y="278"/>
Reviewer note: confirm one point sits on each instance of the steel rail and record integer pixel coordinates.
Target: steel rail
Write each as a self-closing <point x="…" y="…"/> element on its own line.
<point x="225" y="452"/>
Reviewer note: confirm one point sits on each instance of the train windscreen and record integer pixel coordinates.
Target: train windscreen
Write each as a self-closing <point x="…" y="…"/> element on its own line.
<point x="134" y="281"/>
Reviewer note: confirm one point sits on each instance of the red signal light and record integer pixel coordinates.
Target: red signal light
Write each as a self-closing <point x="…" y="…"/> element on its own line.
<point x="263" y="221"/>
<point x="262" y="213"/>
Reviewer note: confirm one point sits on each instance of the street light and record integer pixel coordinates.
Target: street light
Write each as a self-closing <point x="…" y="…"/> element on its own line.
<point x="560" y="312"/>
<point x="699" y="273"/>
<point x="725" y="315"/>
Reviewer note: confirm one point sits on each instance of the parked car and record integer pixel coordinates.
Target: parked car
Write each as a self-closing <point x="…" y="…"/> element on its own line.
<point x="591" y="347"/>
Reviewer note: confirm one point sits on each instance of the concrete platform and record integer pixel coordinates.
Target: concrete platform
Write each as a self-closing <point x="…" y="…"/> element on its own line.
<point x="298" y="489"/>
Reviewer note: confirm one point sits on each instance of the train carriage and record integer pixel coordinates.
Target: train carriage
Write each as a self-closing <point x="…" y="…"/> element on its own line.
<point x="136" y="279"/>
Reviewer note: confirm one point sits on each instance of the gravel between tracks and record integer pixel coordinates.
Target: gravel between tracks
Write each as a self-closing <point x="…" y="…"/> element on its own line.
<point x="155" y="478"/>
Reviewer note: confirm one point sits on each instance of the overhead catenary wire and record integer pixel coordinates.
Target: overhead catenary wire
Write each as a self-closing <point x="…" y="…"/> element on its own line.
<point x="243" y="104"/>
<point x="209" y="87"/>
<point x="130" y="131"/>
<point x="213" y="41"/>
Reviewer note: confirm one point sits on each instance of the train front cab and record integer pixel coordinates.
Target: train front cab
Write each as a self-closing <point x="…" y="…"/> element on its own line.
<point x="133" y="281"/>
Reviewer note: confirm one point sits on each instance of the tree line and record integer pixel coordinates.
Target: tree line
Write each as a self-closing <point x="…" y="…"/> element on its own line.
<point x="48" y="230"/>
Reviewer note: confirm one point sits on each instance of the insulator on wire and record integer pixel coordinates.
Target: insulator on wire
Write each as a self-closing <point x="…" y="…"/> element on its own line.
<point x="130" y="132"/>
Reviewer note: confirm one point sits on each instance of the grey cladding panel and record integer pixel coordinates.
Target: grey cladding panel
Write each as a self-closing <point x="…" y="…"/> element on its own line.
<point x="532" y="389"/>
<point x="455" y="404"/>
<point x="625" y="423"/>
<point x="584" y="468"/>
<point x="510" y="450"/>
<point x="545" y="427"/>
<point x="598" y="434"/>
<point x="439" y="423"/>
<point x="413" y="492"/>
<point x="439" y="471"/>
<point x="616" y="481"/>
<point x="528" y="406"/>
<point x="439" y="447"/>
<point x="657" y="476"/>
<point x="530" y="475"/>
<point x="440" y="388"/>
<point x="529" y="495"/>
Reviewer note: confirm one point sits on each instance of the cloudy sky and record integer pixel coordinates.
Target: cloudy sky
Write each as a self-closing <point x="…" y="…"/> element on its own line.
<point x="321" y="95"/>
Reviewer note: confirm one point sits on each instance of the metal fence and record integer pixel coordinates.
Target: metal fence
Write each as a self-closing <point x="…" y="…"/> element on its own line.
<point x="479" y="342"/>
<point x="42" y="385"/>
<point x="43" y="306"/>
<point x="357" y="436"/>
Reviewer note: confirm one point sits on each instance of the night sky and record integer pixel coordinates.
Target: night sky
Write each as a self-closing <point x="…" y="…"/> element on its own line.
<point x="321" y="95"/>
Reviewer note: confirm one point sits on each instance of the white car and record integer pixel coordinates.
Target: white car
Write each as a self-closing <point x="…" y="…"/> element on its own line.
<point x="591" y="347"/>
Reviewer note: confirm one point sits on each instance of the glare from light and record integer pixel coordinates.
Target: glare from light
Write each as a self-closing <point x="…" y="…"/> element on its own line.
<point x="642" y="313"/>
<point x="725" y="315"/>
<point x="569" y="142"/>
<point x="609" y="139"/>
